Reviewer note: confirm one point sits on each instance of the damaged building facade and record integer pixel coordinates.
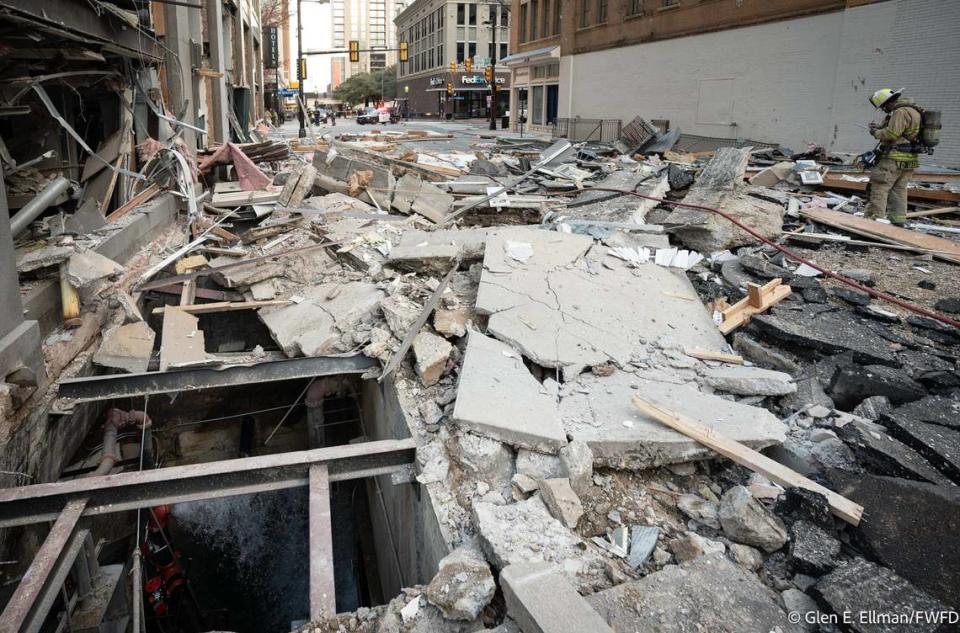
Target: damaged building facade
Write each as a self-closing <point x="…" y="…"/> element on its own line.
<point x="784" y="71"/>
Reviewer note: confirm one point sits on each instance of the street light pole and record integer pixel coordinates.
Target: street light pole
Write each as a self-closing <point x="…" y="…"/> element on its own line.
<point x="495" y="19"/>
<point x="301" y="106"/>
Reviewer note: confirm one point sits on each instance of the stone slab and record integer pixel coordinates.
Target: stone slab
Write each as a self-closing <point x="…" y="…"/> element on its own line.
<point x="622" y="437"/>
<point x="939" y="445"/>
<point x="88" y="266"/>
<point x="913" y="528"/>
<point x="565" y="304"/>
<point x="498" y="397"/>
<point x="709" y="594"/>
<point x="525" y="532"/>
<point x="127" y="347"/>
<point x="541" y="600"/>
<point x="316" y="325"/>
<point x="750" y="381"/>
<point x="859" y="586"/>
<point x="884" y="455"/>
<point x="829" y="332"/>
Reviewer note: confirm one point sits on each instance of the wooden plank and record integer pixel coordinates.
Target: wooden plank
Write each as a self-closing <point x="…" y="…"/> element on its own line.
<point x="223" y="306"/>
<point x="946" y="250"/>
<point x="758" y="299"/>
<point x="745" y="456"/>
<point x="835" y="181"/>
<point x="242" y="198"/>
<point x="181" y="340"/>
<point x="928" y="212"/>
<point x="322" y="589"/>
<point x="188" y="293"/>
<point x="720" y="357"/>
<point x="144" y="196"/>
<point x="202" y="293"/>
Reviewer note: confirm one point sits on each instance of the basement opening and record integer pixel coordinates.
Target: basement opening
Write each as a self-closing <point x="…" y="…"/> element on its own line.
<point x="242" y="562"/>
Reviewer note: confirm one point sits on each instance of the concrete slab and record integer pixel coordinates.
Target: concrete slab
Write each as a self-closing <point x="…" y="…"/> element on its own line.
<point x="570" y="306"/>
<point x="525" y="532"/>
<point x="433" y="250"/>
<point x="181" y="340"/>
<point x="541" y="600"/>
<point x="327" y="313"/>
<point x="749" y="381"/>
<point x="432" y="203"/>
<point x="524" y="415"/>
<point x="711" y="593"/>
<point x="127" y="347"/>
<point x="598" y="412"/>
<point x="408" y="188"/>
<point x="45" y="257"/>
<point x="88" y="266"/>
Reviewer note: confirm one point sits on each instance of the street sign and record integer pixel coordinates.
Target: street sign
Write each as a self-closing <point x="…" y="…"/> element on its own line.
<point x="271" y="49"/>
<point x="287" y="92"/>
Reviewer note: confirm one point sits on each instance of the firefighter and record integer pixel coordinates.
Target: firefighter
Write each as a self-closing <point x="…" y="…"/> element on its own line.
<point x="898" y="136"/>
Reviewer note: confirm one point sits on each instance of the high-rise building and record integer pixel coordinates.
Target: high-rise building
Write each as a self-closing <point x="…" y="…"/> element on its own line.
<point x="369" y="22"/>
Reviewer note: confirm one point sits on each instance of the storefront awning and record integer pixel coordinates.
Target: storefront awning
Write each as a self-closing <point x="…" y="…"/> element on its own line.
<point x="526" y="56"/>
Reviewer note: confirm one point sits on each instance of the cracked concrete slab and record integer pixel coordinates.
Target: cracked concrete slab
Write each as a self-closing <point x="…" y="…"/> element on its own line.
<point x="597" y="410"/>
<point x="326" y="314"/>
<point x="565" y="303"/>
<point x="524" y="415"/>
<point x="127" y="347"/>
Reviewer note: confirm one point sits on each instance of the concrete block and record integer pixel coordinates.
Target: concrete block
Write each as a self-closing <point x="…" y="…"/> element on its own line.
<point x="541" y="600"/>
<point x="127" y="347"/>
<point x="562" y="501"/>
<point x="524" y="416"/>
<point x="431" y="353"/>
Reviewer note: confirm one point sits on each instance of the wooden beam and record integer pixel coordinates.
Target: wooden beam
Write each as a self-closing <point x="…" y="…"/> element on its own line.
<point x="225" y="306"/>
<point x="720" y="357"/>
<point x="928" y="212"/>
<point x="144" y="196"/>
<point x="745" y="456"/>
<point x="323" y="602"/>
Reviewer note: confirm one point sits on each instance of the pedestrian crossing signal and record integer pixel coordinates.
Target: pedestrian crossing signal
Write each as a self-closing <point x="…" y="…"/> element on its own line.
<point x="449" y="88"/>
<point x="354" y="50"/>
<point x="404" y="53"/>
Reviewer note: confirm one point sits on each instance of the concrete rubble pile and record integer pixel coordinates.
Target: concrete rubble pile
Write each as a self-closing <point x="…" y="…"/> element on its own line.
<point x="518" y="306"/>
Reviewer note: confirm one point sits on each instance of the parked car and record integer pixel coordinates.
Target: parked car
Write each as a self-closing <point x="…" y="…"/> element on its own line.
<point x="370" y="115"/>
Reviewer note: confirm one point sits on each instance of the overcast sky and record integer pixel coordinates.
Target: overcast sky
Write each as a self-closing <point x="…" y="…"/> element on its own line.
<point x="317" y="35"/>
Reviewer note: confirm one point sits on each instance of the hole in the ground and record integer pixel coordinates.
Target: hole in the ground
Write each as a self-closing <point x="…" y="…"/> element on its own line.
<point x="242" y="563"/>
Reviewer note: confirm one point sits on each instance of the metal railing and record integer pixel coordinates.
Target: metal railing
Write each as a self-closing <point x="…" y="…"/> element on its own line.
<point x="579" y="129"/>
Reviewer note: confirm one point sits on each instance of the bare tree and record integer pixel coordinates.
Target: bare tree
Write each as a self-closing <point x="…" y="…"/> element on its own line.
<point x="272" y="12"/>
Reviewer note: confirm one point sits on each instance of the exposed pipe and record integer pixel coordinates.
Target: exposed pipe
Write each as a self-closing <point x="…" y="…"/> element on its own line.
<point x="117" y="419"/>
<point x="32" y="210"/>
<point x="797" y="258"/>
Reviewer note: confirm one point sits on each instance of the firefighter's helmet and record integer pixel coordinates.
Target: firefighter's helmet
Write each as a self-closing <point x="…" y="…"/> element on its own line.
<point x="884" y="95"/>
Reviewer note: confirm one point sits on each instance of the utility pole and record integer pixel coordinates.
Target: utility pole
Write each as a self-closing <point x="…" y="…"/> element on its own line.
<point x="494" y="97"/>
<point x="300" y="65"/>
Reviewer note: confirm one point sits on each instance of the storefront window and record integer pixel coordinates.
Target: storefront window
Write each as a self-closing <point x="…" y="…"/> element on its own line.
<point x="536" y="108"/>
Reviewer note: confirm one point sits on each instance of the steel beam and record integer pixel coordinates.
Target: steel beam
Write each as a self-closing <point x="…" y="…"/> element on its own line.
<point x="178" y="484"/>
<point x="31" y="602"/>
<point x="323" y="601"/>
<point x="92" y="388"/>
<point x="78" y="21"/>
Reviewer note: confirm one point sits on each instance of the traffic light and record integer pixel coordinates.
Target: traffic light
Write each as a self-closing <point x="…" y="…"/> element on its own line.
<point x="404" y="54"/>
<point x="354" y="50"/>
<point x="453" y="67"/>
<point x="468" y="64"/>
<point x="449" y="88"/>
<point x="302" y="69"/>
<point x="488" y="74"/>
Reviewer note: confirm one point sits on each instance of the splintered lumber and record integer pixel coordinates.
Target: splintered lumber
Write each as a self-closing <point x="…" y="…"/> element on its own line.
<point x="928" y="212"/>
<point x="189" y="263"/>
<point x="242" y="198"/>
<point x="720" y="357"/>
<point x="940" y="248"/>
<point x="224" y="306"/>
<point x="745" y="456"/>
<point x="144" y="196"/>
<point x="759" y="299"/>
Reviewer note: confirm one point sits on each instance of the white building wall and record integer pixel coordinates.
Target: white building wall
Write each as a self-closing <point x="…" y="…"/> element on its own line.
<point x="794" y="82"/>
